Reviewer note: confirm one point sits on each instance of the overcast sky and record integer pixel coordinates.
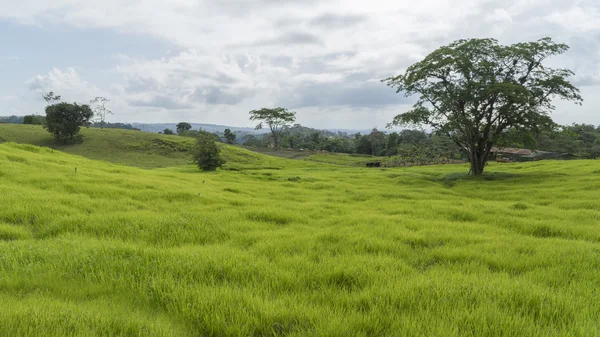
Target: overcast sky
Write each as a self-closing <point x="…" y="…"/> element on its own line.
<point x="212" y="61"/>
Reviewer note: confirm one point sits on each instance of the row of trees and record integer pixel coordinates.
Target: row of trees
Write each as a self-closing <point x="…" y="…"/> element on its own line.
<point x="478" y="94"/>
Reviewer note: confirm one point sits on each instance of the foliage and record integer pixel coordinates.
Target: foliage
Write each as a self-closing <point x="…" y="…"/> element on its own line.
<point x="12" y="119"/>
<point x="206" y="152"/>
<point x="34" y="120"/>
<point x="229" y="136"/>
<point x="168" y="132"/>
<point x="100" y="110"/>
<point x="183" y="127"/>
<point x="303" y="250"/>
<point x="473" y="90"/>
<point x="51" y="98"/>
<point x="64" y="120"/>
<point x="277" y="119"/>
<point x="108" y="125"/>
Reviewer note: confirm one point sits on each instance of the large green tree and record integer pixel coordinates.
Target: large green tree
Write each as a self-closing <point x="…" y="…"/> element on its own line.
<point x="473" y="90"/>
<point x="183" y="127"/>
<point x="277" y="119"/>
<point x="64" y="120"/>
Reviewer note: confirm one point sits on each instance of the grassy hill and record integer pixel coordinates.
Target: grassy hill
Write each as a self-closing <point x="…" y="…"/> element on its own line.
<point x="274" y="247"/>
<point x="132" y="148"/>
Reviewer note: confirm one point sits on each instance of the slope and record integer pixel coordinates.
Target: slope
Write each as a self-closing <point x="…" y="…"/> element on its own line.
<point x="297" y="250"/>
<point x="128" y="147"/>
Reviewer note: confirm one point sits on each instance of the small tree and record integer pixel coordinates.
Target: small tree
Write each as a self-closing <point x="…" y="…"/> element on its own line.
<point x="64" y="120"/>
<point x="51" y="98"/>
<point x="168" y="132"/>
<point x="100" y="110"/>
<point x="183" y="127"/>
<point x="34" y="120"/>
<point x="206" y="152"/>
<point x="229" y="136"/>
<point x="473" y="90"/>
<point x="277" y="119"/>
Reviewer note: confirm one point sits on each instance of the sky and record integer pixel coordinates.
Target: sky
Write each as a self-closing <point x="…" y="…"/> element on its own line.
<point x="212" y="61"/>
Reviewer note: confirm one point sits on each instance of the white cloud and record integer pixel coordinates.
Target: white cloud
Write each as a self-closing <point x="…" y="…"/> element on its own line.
<point x="66" y="82"/>
<point x="236" y="55"/>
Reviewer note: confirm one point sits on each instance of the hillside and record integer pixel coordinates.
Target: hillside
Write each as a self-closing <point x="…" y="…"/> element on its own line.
<point x="295" y="249"/>
<point x="133" y="148"/>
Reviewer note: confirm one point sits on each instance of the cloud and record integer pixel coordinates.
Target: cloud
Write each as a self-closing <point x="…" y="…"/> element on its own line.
<point x="332" y="21"/>
<point x="161" y="102"/>
<point x="11" y="58"/>
<point x="66" y="83"/>
<point x="291" y="38"/>
<point x="313" y="55"/>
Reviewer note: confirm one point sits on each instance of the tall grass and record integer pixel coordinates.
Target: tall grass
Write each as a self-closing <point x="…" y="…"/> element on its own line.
<point x="297" y="249"/>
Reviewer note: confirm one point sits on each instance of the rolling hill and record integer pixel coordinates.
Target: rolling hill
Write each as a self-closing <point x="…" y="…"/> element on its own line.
<point x="276" y="247"/>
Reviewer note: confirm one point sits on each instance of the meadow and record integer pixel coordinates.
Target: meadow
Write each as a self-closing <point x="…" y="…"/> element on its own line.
<point x="275" y="247"/>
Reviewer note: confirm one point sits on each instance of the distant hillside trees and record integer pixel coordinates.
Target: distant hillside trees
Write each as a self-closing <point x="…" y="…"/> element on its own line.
<point x="473" y="90"/>
<point x="229" y="136"/>
<point x="108" y="125"/>
<point x="206" y="152"/>
<point x="168" y="132"/>
<point x="100" y="109"/>
<point x="183" y="127"/>
<point x="12" y="119"/>
<point x="64" y="120"/>
<point x="34" y="120"/>
<point x="276" y="119"/>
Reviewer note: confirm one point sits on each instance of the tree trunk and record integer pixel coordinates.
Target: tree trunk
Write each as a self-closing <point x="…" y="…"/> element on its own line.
<point x="478" y="161"/>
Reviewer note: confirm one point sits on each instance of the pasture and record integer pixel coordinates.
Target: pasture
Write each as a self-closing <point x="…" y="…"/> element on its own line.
<point x="274" y="247"/>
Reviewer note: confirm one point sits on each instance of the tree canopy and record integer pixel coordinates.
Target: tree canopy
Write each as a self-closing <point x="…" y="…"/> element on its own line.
<point x="277" y="119"/>
<point x="183" y="127"/>
<point x="64" y="120"/>
<point x="474" y="90"/>
<point x="229" y="136"/>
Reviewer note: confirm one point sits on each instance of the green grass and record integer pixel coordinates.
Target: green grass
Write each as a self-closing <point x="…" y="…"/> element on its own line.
<point x="128" y="147"/>
<point x="274" y="247"/>
<point x="345" y="159"/>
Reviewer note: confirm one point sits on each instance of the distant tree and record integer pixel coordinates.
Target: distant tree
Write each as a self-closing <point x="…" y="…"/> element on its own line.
<point x="277" y="119"/>
<point x="229" y="136"/>
<point x="473" y="90"/>
<point x="168" y="132"/>
<point x="100" y="110"/>
<point x="377" y="139"/>
<point x="183" y="127"/>
<point x="51" y="98"/>
<point x="64" y="120"/>
<point x="34" y="120"/>
<point x="206" y="152"/>
<point x="252" y="140"/>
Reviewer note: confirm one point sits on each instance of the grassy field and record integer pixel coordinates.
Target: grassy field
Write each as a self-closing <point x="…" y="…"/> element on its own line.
<point x="275" y="247"/>
<point x="128" y="147"/>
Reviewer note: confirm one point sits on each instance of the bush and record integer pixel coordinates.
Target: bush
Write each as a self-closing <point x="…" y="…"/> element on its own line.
<point x="64" y="120"/>
<point x="34" y="120"/>
<point x="168" y="132"/>
<point x="206" y="153"/>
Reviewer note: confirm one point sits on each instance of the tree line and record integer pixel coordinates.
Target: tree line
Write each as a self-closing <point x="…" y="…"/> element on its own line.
<point x="474" y="94"/>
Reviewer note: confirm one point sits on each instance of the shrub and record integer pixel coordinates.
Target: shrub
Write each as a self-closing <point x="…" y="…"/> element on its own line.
<point x="34" y="120"/>
<point x="64" y="120"/>
<point x="168" y="132"/>
<point x="206" y="153"/>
